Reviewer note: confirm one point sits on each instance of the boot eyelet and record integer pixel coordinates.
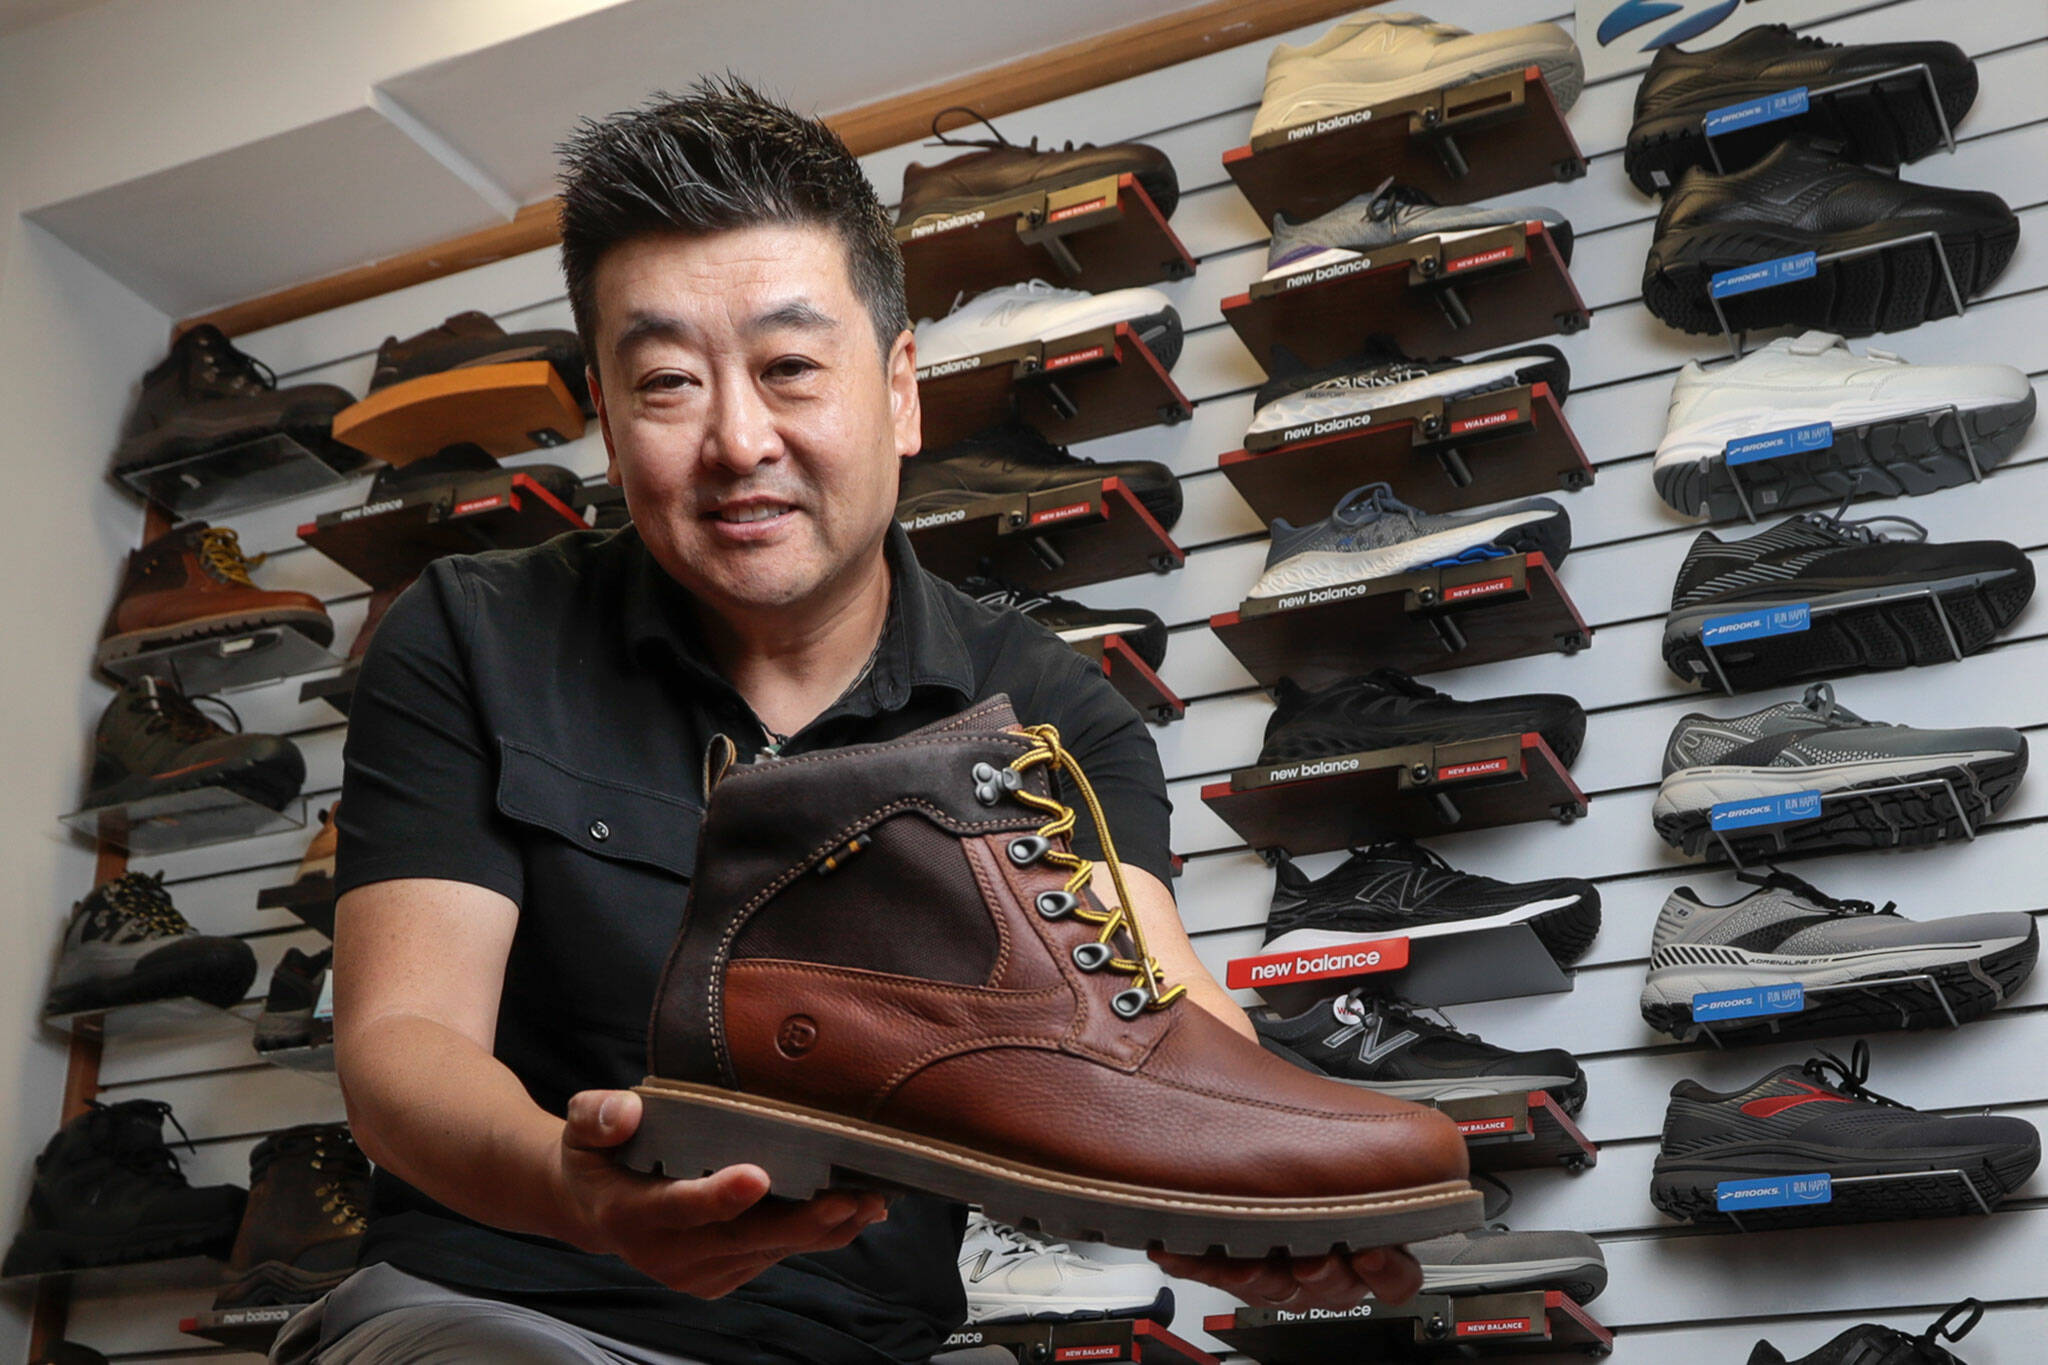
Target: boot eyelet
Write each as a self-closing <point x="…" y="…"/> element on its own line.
<point x="1056" y="904"/>
<point x="1029" y="849"/>
<point x="1092" y="956"/>
<point x="984" y="775"/>
<point x="1129" y="1004"/>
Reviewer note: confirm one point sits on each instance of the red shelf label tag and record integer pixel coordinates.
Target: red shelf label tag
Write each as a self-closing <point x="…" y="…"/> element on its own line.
<point x="1484" y="421"/>
<point x="1076" y="210"/>
<point x="1317" y="964"/>
<point x="1075" y="357"/>
<point x="1499" y="1123"/>
<point x="1106" y="1351"/>
<point x="1496" y="1327"/>
<point x="1477" y="259"/>
<point x="1066" y="513"/>
<point x="1485" y="587"/>
<point x="463" y="509"/>
<point x="1484" y="767"/>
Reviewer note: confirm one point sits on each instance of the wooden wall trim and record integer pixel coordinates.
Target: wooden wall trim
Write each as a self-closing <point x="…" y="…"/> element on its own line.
<point x="1004" y="89"/>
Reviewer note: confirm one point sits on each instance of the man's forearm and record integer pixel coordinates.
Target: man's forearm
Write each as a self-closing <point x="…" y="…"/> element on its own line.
<point x="435" y="1109"/>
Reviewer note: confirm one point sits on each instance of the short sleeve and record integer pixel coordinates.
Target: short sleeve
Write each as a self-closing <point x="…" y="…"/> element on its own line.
<point x="418" y="795"/>
<point x="1114" y="747"/>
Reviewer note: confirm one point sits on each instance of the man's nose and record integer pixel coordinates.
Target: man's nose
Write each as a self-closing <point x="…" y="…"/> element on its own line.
<point x="742" y="432"/>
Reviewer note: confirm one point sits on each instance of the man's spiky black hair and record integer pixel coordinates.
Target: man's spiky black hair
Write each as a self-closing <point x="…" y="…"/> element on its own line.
<point x="723" y="156"/>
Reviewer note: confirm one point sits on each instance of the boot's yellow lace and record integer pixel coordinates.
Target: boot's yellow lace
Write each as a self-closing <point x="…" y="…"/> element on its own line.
<point x="142" y="898"/>
<point x="222" y="552"/>
<point x="1148" y="989"/>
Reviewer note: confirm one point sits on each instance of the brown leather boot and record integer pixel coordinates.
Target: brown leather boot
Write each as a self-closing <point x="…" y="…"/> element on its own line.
<point x="892" y="973"/>
<point x="309" y="1188"/>
<point x="192" y="582"/>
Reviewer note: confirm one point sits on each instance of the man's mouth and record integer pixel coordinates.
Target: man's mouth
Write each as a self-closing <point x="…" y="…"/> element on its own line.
<point x="753" y="511"/>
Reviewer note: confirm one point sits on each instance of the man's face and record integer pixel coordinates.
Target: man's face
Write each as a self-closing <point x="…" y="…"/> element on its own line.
<point x="749" y="415"/>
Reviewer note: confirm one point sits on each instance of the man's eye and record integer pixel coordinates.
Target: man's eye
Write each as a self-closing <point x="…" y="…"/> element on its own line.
<point x="665" y="382"/>
<point x="790" y="367"/>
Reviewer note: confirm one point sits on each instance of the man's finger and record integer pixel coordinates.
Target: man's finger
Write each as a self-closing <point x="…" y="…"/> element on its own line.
<point x="712" y="1200"/>
<point x="1390" y="1273"/>
<point x="600" y="1119"/>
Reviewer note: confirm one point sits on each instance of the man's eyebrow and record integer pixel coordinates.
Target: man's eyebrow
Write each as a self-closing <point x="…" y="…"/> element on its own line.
<point x="654" y="326"/>
<point x="800" y="314"/>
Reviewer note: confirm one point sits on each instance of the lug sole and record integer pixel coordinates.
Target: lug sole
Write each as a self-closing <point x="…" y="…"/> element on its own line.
<point x="689" y="1130"/>
<point x="1885" y="124"/>
<point x="1889" y="634"/>
<point x="1973" y="989"/>
<point x="1894" y="819"/>
<point x="1889" y="290"/>
<point x="272" y="785"/>
<point x="37" y="1251"/>
<point x="1687" y="1191"/>
<point x="221" y="982"/>
<point x="1901" y="457"/>
<point x="316" y="626"/>
<point x="310" y="424"/>
<point x="277" y="1282"/>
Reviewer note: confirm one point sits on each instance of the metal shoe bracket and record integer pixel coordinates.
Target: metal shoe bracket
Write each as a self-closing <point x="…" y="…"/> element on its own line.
<point x="1950" y="409"/>
<point x="1736" y="340"/>
<point x="1744" y="872"/>
<point x="1948" y="630"/>
<point x="1948" y="137"/>
<point x="1858" y="987"/>
<point x="1838" y="1182"/>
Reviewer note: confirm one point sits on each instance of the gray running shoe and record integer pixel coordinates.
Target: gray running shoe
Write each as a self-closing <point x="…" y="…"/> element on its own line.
<point x="1494" y="1260"/>
<point x="1789" y="932"/>
<point x="1372" y="534"/>
<point x="1817" y="745"/>
<point x="1389" y="215"/>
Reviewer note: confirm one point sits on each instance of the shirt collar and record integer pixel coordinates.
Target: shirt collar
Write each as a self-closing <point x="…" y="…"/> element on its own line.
<point x="921" y="642"/>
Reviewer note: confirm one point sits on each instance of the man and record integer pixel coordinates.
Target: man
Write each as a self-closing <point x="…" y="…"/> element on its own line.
<point x="525" y="779"/>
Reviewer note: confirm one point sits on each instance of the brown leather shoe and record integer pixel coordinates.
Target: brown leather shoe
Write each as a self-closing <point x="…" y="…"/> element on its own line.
<point x="892" y="974"/>
<point x="192" y="582"/>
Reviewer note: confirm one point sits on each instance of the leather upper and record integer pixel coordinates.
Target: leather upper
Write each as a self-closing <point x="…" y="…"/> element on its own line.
<point x="1801" y="187"/>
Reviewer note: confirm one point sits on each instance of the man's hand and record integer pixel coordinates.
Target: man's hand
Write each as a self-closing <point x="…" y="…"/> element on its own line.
<point x="704" y="1237"/>
<point x="1327" y="1282"/>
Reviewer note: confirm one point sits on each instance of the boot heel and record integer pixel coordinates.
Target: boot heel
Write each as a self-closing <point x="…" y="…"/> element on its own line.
<point x="685" y="1140"/>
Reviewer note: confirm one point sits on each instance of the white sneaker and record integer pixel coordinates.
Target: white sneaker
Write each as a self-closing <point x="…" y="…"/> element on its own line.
<point x="1037" y="311"/>
<point x="1813" y="378"/>
<point x="1010" y="1276"/>
<point x="1372" y="56"/>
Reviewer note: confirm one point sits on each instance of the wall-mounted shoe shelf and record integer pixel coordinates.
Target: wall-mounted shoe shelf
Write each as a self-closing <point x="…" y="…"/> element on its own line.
<point x="1419" y="622"/>
<point x="189" y="819"/>
<point x="1822" y="1199"/>
<point x="1072" y="388"/>
<point x="505" y="409"/>
<point x="1958" y="799"/>
<point x="228" y="663"/>
<point x="1474" y="294"/>
<point x="1133" y="678"/>
<point x="1536" y="1324"/>
<point x="1102" y="235"/>
<point x="1086" y="532"/>
<point x="310" y="898"/>
<point x="389" y="541"/>
<point x="1345" y="800"/>
<point x="1443" y="455"/>
<point x="245" y="1329"/>
<point x="1435" y="964"/>
<point x="234" y="478"/>
<point x="145" y="1019"/>
<point x="1112" y="1339"/>
<point x="1459" y="143"/>
<point x="1520" y="1132"/>
<point x="195" y="1272"/>
<point x="337" y="690"/>
<point x="316" y="1061"/>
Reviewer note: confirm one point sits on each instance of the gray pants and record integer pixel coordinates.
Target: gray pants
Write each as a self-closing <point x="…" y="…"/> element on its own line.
<point x="382" y="1316"/>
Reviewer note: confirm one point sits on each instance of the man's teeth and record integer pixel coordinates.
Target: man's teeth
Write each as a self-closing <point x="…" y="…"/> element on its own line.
<point x="759" y="512"/>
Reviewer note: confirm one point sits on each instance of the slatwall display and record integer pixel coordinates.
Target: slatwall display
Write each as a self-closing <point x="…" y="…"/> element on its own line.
<point x="1678" y="1296"/>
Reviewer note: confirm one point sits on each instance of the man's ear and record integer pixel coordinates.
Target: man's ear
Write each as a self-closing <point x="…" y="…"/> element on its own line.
<point x="905" y="413"/>
<point x="604" y="426"/>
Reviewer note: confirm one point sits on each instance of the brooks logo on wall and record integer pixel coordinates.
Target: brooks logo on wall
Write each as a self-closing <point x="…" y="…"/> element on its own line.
<point x="1615" y="35"/>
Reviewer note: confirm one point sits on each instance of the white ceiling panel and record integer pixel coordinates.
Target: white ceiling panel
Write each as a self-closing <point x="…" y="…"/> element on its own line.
<point x="505" y="107"/>
<point x="321" y="198"/>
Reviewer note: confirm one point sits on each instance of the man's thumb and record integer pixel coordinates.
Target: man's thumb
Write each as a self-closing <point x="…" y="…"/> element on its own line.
<point x="601" y="1118"/>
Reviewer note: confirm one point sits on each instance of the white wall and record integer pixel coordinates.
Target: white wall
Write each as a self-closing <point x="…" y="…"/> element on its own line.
<point x="1680" y="1298"/>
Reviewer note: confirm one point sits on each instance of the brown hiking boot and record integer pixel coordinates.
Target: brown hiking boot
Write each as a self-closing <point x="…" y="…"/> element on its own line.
<point x="192" y="582"/>
<point x="309" y="1188"/>
<point x="471" y="339"/>
<point x="892" y="974"/>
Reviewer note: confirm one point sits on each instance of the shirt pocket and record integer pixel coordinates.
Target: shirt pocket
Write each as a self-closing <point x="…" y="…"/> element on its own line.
<point x="612" y="820"/>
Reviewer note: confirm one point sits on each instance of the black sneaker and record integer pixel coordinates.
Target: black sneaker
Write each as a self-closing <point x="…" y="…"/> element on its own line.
<point x="1870" y="583"/>
<point x="1870" y="1343"/>
<point x="127" y="943"/>
<point x="471" y="339"/>
<point x="1298" y="403"/>
<point x="287" y="1019"/>
<point x="109" y="1192"/>
<point x="1014" y="458"/>
<point x="1399" y="887"/>
<point x="206" y="396"/>
<point x="1392" y="1047"/>
<point x="1143" y="631"/>
<point x="459" y="464"/>
<point x="152" y="740"/>
<point x="1386" y="708"/>
<point x="1798" y="1121"/>
<point x="1798" y="198"/>
<point x="999" y="169"/>
<point x="1880" y="124"/>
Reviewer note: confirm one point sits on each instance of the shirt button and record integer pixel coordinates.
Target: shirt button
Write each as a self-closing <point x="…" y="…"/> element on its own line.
<point x="600" y="831"/>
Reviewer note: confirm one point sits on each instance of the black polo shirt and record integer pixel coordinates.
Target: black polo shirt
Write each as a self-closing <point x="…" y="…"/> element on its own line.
<point x="535" y="722"/>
